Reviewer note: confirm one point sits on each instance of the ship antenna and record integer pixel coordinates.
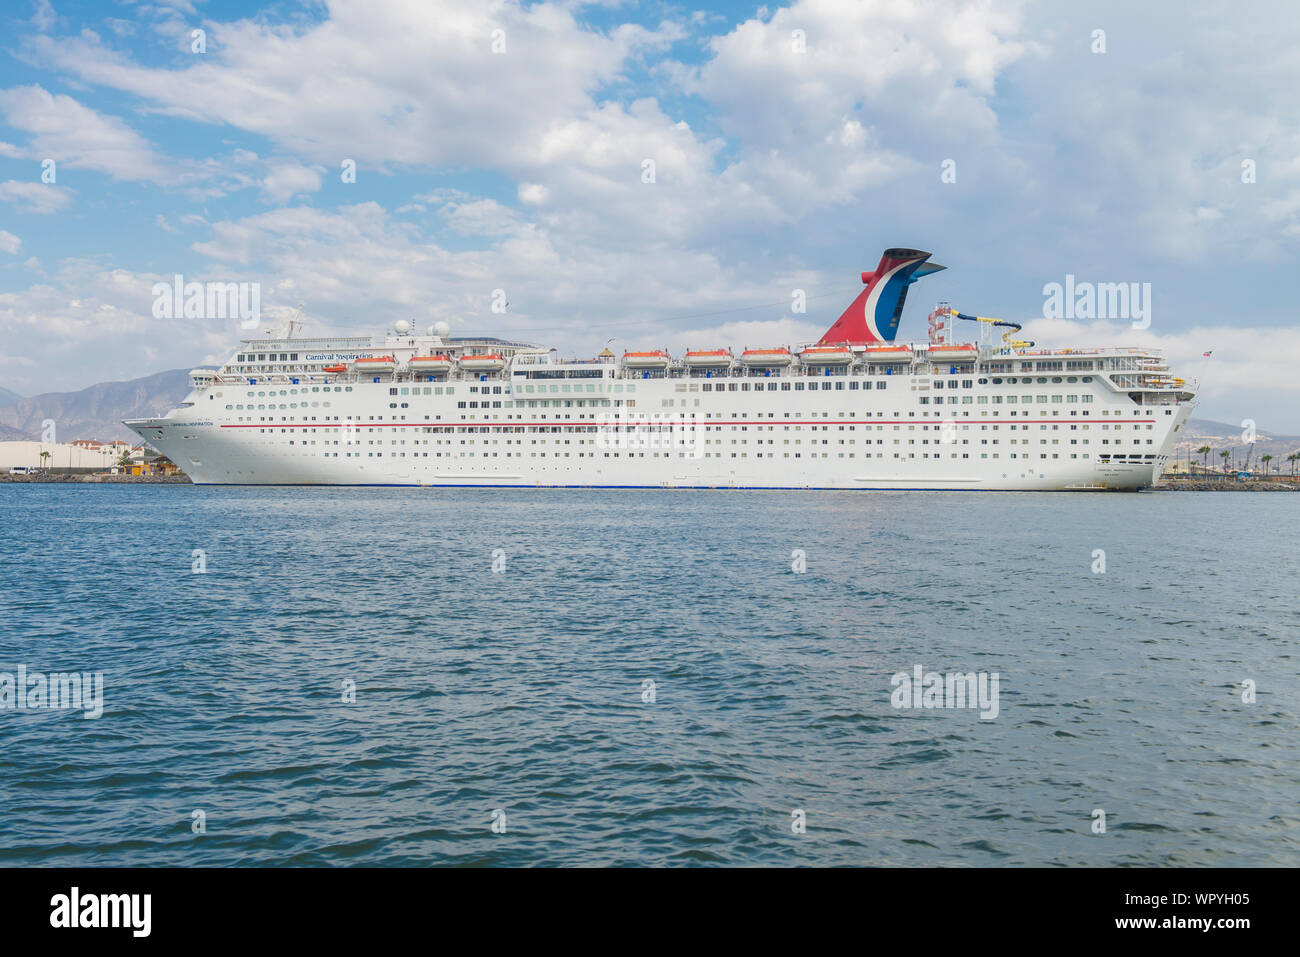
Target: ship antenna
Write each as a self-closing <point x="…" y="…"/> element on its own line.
<point x="296" y="321"/>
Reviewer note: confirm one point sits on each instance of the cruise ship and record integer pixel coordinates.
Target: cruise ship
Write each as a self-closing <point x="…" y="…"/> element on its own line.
<point x="855" y="410"/>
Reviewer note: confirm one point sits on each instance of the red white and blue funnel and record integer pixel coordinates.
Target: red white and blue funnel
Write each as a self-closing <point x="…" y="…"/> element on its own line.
<point x="874" y="315"/>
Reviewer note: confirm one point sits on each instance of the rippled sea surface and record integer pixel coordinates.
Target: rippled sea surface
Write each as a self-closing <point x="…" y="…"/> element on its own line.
<point x="524" y="690"/>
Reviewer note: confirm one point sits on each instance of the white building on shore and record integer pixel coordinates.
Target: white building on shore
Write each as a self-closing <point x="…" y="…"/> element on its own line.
<point x="80" y="455"/>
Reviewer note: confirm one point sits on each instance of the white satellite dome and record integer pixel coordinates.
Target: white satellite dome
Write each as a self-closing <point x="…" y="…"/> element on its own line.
<point x="402" y="327"/>
<point x="440" y="329"/>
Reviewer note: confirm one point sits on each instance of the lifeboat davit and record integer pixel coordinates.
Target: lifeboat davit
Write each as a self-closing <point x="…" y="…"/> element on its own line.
<point x="826" y="356"/>
<point x="646" y="360"/>
<point x="486" y="362"/>
<point x="336" y="368"/>
<point x="954" y="352"/>
<point x="429" y="364"/>
<point x="708" y="358"/>
<point x="766" y="358"/>
<point x="375" y="364"/>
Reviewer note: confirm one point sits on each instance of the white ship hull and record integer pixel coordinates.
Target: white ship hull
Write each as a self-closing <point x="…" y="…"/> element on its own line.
<point x="943" y="415"/>
<point x="860" y="439"/>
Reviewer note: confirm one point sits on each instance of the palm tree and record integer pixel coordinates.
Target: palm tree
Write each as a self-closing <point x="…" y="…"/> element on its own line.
<point x="1225" y="455"/>
<point x="1293" y="458"/>
<point x="1204" y="453"/>
<point x="45" y="460"/>
<point x="1266" y="459"/>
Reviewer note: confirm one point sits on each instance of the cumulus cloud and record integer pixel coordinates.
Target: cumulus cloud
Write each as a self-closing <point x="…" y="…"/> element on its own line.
<point x="362" y="260"/>
<point x="533" y="193"/>
<point x="43" y="17"/>
<point x="284" y="180"/>
<point x="35" y="197"/>
<point x="1152" y="135"/>
<point x="482" y="217"/>
<point x="438" y="94"/>
<point x="76" y="136"/>
<point x="9" y="242"/>
<point x="791" y="76"/>
<point x="91" y="305"/>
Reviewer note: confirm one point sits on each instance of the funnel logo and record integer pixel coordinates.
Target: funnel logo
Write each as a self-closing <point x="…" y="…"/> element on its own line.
<point x="874" y="315"/>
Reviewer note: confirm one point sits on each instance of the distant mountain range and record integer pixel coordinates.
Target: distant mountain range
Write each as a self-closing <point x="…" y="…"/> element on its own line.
<point x="7" y="433"/>
<point x="1223" y="436"/>
<point x="96" y="412"/>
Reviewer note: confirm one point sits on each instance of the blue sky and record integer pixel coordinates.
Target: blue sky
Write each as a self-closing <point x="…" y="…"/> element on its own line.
<point x="779" y="165"/>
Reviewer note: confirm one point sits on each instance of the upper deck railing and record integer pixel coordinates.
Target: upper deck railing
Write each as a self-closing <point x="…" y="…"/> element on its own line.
<point x="1126" y="370"/>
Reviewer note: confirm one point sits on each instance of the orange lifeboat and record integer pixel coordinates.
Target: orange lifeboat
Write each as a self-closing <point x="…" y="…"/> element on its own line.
<point x="430" y="364"/>
<point x="487" y="362"/>
<point x="827" y="355"/>
<point x="708" y="358"/>
<point x="889" y="353"/>
<point x="766" y="358"/>
<point x="954" y="351"/>
<point x="336" y="369"/>
<point x="646" y="360"/>
<point x="375" y="364"/>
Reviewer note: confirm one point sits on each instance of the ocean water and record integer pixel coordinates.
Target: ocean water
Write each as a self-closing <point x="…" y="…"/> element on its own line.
<point x="525" y="690"/>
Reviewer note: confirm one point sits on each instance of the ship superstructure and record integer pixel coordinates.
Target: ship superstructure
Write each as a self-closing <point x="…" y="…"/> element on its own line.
<point x="856" y="410"/>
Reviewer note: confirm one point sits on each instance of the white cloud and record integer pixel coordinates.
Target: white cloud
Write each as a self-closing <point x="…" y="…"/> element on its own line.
<point x="78" y="137"/>
<point x="436" y="95"/>
<point x="1153" y="133"/>
<point x="107" y="312"/>
<point x="808" y="127"/>
<point x="34" y="197"/>
<point x="826" y="97"/>
<point x="483" y="217"/>
<point x="44" y="18"/>
<point x="929" y="68"/>
<point x="533" y="193"/>
<point x="360" y="260"/>
<point x="9" y="242"/>
<point x="285" y="180"/>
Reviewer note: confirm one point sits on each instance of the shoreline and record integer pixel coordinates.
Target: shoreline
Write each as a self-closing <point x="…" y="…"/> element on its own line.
<point x="1226" y="485"/>
<point x="1167" y="484"/>
<point x="93" y="479"/>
